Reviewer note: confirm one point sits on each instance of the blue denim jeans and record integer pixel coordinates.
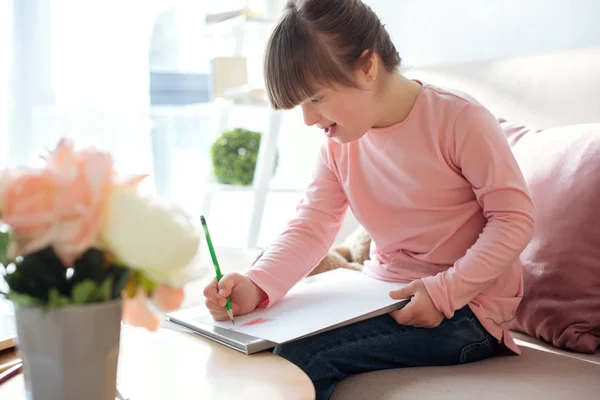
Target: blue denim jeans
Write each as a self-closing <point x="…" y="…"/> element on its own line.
<point x="380" y="343"/>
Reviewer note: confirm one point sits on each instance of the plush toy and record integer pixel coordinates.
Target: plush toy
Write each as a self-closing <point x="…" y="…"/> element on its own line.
<point x="351" y="254"/>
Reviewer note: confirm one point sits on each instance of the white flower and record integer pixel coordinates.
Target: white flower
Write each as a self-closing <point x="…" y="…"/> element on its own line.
<point x="151" y="235"/>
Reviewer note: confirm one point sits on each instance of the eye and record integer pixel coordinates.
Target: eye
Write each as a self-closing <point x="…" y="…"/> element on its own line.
<point x="317" y="100"/>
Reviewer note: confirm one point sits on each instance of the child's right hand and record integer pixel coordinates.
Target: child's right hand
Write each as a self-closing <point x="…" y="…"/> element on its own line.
<point x="244" y="295"/>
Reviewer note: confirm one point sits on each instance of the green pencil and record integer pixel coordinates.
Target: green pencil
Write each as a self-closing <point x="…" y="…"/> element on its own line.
<point x="215" y="263"/>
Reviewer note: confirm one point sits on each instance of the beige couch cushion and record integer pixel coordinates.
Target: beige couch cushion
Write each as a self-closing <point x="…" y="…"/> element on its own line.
<point x="542" y="90"/>
<point x="524" y="340"/>
<point x="536" y="374"/>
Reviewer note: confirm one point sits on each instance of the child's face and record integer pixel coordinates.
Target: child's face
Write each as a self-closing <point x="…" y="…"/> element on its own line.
<point x="344" y="114"/>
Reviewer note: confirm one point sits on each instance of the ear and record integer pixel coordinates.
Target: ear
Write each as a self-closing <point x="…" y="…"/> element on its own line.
<point x="369" y="68"/>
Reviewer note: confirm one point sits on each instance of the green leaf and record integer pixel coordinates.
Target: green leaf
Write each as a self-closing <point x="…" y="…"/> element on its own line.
<point x="84" y="292"/>
<point x="40" y="278"/>
<point x="23" y="299"/>
<point x="147" y="283"/>
<point x="55" y="299"/>
<point x="5" y="239"/>
<point x="104" y="292"/>
<point x="91" y="265"/>
<point x="121" y="276"/>
<point x="116" y="261"/>
<point x="37" y="273"/>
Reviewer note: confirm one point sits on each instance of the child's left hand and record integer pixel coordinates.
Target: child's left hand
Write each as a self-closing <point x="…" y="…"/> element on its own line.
<point x="421" y="311"/>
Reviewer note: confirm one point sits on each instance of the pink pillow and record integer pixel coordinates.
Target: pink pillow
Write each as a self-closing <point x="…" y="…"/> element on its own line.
<point x="561" y="304"/>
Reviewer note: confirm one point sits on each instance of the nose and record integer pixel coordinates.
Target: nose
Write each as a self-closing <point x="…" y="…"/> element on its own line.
<point x="309" y="114"/>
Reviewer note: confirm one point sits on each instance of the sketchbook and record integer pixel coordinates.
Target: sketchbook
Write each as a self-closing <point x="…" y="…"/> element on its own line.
<point x="316" y="304"/>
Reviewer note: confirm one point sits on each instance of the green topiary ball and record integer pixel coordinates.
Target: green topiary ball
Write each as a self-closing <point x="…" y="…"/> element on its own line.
<point x="234" y="156"/>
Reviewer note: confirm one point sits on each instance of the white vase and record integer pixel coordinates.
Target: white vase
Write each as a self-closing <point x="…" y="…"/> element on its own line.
<point x="70" y="353"/>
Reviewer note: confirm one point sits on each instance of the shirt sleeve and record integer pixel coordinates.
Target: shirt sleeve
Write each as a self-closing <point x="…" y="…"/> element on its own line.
<point x="307" y="237"/>
<point x="485" y="159"/>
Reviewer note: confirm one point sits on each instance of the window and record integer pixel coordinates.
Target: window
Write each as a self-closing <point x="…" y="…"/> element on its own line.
<point x="136" y="78"/>
<point x="5" y="54"/>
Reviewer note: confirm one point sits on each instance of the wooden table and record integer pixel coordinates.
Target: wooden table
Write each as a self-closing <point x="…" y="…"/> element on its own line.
<point x="174" y="364"/>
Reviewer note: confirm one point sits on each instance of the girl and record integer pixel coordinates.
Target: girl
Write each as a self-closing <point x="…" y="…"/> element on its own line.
<point x="428" y="173"/>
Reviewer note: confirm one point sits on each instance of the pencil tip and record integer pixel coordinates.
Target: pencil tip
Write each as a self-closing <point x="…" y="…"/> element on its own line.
<point x="230" y="314"/>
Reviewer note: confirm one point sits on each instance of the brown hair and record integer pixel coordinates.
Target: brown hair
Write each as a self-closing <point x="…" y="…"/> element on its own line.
<point x="320" y="42"/>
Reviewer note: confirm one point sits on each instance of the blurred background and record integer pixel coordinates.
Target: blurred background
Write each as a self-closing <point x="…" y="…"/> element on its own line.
<point x="174" y="88"/>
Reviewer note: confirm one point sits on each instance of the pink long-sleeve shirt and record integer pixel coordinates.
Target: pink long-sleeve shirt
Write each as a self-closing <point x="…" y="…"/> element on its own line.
<point x="441" y="196"/>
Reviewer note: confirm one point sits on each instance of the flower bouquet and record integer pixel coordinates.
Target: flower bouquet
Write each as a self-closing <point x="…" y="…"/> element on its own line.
<point x="82" y="249"/>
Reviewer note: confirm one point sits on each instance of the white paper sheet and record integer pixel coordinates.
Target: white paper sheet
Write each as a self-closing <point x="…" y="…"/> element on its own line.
<point x="314" y="304"/>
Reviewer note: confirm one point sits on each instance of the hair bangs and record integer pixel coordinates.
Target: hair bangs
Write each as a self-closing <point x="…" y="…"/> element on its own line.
<point x="297" y="62"/>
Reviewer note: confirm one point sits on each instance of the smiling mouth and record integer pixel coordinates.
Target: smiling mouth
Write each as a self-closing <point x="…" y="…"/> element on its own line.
<point x="330" y="130"/>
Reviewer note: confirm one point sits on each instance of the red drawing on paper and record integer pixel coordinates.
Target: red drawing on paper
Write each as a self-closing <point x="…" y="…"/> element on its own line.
<point x="257" y="321"/>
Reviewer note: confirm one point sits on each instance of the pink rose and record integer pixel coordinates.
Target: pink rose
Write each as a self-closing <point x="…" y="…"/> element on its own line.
<point x="60" y="205"/>
<point x="168" y="298"/>
<point x="137" y="313"/>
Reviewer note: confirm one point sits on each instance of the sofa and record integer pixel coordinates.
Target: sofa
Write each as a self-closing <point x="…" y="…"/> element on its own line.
<point x="538" y="92"/>
<point x="533" y="92"/>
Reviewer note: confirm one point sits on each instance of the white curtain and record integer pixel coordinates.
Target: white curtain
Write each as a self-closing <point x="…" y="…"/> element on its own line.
<point x="5" y="53"/>
<point x="81" y="69"/>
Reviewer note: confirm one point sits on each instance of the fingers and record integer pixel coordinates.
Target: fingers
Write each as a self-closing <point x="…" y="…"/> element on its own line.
<point x="404" y="292"/>
<point x="409" y="319"/>
<point x="418" y="313"/>
<point x="398" y="317"/>
<point x="227" y="283"/>
<point x="405" y="316"/>
<point x="219" y="313"/>
<point x="214" y="307"/>
<point x="211" y="293"/>
<point x="216" y="293"/>
<point x="408" y="314"/>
